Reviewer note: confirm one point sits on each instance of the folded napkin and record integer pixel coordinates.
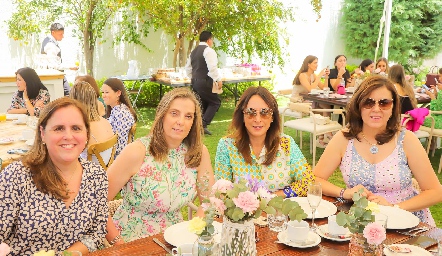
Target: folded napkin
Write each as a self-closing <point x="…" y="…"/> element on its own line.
<point x="418" y="116"/>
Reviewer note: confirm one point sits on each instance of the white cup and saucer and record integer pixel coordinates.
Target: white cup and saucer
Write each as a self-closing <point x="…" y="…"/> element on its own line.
<point x="298" y="234"/>
<point x="333" y="231"/>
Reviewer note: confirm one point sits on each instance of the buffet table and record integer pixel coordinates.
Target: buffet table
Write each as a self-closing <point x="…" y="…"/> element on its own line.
<point x="52" y="79"/>
<point x="266" y="244"/>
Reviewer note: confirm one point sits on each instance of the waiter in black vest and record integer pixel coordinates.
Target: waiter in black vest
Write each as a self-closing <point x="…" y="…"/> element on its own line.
<point x="202" y="68"/>
<point x="51" y="48"/>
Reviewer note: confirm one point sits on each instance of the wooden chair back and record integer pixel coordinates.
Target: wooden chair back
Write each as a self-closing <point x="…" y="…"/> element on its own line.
<point x="131" y="135"/>
<point x="96" y="149"/>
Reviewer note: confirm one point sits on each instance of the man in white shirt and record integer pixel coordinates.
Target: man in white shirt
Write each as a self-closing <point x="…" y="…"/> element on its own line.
<point x="202" y="68"/>
<point x="51" y="48"/>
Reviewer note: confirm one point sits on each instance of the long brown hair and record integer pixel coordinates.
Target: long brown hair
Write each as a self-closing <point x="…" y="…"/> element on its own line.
<point x="117" y="85"/>
<point x="383" y="59"/>
<point x="158" y="146"/>
<point x="397" y="75"/>
<point x="85" y="93"/>
<point x="238" y="130"/>
<point x="304" y="68"/>
<point x="44" y="173"/>
<point x="354" y="108"/>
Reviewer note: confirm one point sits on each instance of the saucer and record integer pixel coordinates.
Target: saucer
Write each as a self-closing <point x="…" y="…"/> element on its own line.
<point x="313" y="239"/>
<point x="323" y="231"/>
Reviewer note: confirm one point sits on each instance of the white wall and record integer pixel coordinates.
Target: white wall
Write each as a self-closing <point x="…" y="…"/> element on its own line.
<point x="307" y="37"/>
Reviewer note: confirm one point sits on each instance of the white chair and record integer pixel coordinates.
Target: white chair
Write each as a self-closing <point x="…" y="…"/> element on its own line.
<point x="433" y="133"/>
<point x="286" y="111"/>
<point x="309" y="124"/>
<point x="421" y="133"/>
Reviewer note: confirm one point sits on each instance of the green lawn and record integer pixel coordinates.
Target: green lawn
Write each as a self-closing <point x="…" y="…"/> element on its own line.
<point x="219" y="129"/>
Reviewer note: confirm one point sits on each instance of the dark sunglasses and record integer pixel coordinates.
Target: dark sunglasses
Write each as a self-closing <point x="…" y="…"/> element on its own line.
<point x="384" y="104"/>
<point x="264" y="113"/>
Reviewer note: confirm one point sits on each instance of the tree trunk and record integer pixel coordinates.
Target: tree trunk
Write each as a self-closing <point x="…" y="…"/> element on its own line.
<point x="89" y="40"/>
<point x="176" y="51"/>
<point x="182" y="53"/>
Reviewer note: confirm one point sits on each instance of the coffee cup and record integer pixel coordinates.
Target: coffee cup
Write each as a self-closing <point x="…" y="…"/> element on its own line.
<point x="297" y="231"/>
<point x="334" y="228"/>
<point x="28" y="134"/>
<point x="183" y="250"/>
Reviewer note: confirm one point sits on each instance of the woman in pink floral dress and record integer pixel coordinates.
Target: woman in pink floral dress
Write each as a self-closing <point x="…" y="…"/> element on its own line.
<point x="158" y="173"/>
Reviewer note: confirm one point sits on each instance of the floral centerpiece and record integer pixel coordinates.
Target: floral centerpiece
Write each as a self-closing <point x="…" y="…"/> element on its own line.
<point x="367" y="234"/>
<point x="240" y="203"/>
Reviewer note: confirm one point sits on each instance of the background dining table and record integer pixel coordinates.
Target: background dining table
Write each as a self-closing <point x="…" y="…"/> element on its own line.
<point x="266" y="244"/>
<point x="9" y="129"/>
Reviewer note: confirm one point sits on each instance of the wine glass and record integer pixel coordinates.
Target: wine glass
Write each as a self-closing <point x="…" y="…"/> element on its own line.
<point x="314" y="197"/>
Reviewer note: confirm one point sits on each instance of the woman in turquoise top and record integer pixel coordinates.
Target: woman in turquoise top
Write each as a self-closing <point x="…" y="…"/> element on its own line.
<point x="257" y="148"/>
<point x="157" y="174"/>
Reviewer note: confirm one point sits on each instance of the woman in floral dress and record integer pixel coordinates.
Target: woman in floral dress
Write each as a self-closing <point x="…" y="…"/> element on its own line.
<point x="119" y="111"/>
<point x="158" y="173"/>
<point x="31" y="97"/>
<point x="375" y="154"/>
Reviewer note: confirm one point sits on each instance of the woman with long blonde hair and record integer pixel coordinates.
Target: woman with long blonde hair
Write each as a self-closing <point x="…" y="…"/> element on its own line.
<point x="404" y="89"/>
<point x="157" y="174"/>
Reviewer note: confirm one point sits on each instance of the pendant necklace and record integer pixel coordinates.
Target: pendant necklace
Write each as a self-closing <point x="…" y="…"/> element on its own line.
<point x="374" y="147"/>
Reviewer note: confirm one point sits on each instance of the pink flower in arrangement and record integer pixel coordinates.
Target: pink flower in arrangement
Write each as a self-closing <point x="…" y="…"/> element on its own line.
<point x="4" y="249"/>
<point x="219" y="204"/>
<point x="247" y="201"/>
<point x="222" y="185"/>
<point x="374" y="233"/>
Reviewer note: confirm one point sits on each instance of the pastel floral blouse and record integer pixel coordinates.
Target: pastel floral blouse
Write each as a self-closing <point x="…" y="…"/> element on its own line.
<point x="153" y="198"/>
<point x="19" y="103"/>
<point x="31" y="221"/>
<point x="289" y="168"/>
<point x="121" y="120"/>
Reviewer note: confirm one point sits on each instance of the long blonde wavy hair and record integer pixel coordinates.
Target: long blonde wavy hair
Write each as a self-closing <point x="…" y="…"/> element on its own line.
<point x="158" y="146"/>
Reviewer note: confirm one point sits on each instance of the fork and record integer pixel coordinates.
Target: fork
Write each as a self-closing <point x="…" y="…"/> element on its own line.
<point x="414" y="231"/>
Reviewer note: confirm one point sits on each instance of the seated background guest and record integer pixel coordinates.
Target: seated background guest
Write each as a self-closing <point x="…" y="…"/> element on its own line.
<point x="51" y="199"/>
<point x="376" y="154"/>
<point x="256" y="147"/>
<point x="100" y="104"/>
<point x="158" y="173"/>
<point x="339" y="72"/>
<point x="365" y="65"/>
<point x="382" y="65"/>
<point x="100" y="128"/>
<point x="32" y="96"/>
<point x="305" y="81"/>
<point x="404" y="89"/>
<point x="119" y="111"/>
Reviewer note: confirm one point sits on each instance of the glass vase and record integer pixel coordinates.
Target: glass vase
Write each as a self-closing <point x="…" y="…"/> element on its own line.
<point x="205" y="246"/>
<point x="358" y="246"/>
<point x="237" y="239"/>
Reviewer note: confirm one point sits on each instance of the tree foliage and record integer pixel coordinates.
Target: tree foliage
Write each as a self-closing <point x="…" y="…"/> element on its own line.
<point x="243" y="28"/>
<point x="414" y="31"/>
<point x="89" y="18"/>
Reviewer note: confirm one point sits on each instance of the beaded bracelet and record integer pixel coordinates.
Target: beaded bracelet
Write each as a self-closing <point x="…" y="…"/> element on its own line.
<point x="116" y="239"/>
<point x="341" y="194"/>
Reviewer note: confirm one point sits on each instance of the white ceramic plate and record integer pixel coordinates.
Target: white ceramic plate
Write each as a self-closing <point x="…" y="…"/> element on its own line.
<point x="324" y="209"/>
<point x="323" y="231"/>
<point x="5" y="141"/>
<point x="398" y="218"/>
<point x="14" y="116"/>
<point x="312" y="236"/>
<point x="415" y="251"/>
<point x="179" y="234"/>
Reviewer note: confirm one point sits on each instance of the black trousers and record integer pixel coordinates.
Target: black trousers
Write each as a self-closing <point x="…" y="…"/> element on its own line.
<point x="210" y="102"/>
